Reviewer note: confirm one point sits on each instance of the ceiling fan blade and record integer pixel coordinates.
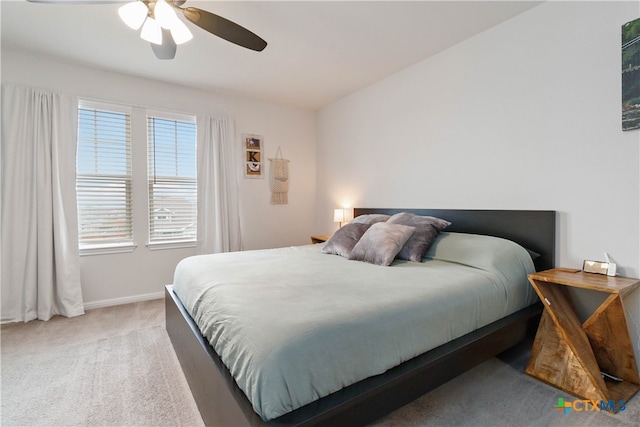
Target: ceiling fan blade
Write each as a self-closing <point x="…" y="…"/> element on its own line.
<point x="166" y="50"/>
<point x="223" y="28"/>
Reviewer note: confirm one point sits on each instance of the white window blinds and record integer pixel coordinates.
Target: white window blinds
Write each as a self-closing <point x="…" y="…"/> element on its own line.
<point x="103" y="173"/>
<point x="172" y="177"/>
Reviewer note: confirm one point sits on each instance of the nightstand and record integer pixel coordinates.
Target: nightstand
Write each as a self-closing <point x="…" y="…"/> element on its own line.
<point x="571" y="356"/>
<point x="320" y="238"/>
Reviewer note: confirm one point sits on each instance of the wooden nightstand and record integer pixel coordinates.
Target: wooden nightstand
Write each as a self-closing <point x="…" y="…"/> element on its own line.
<point x="571" y="356"/>
<point x="320" y="238"/>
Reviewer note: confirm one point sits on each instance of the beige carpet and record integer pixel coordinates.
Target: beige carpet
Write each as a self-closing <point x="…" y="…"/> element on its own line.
<point x="111" y="367"/>
<point x="115" y="367"/>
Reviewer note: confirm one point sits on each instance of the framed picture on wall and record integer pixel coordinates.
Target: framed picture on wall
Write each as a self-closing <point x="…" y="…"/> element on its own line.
<point x="631" y="75"/>
<point x="253" y="146"/>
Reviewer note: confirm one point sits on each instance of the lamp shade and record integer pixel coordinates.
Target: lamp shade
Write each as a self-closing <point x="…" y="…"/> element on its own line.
<point x="164" y="14"/>
<point x="133" y="14"/>
<point x="151" y="31"/>
<point x="338" y="215"/>
<point x="180" y="32"/>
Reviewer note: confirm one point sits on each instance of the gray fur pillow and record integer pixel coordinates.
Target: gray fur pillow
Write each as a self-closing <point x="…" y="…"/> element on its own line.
<point x="370" y="218"/>
<point x="343" y="240"/>
<point x="381" y="243"/>
<point x="426" y="231"/>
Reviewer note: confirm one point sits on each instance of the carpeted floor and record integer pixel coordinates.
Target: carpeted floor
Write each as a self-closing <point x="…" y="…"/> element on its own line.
<point x="111" y="367"/>
<point x="115" y="367"/>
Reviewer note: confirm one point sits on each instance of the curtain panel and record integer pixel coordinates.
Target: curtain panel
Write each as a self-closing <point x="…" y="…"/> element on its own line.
<point x="40" y="269"/>
<point x="218" y="211"/>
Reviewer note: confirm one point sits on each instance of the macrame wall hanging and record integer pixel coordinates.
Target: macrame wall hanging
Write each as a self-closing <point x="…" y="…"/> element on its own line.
<point x="279" y="179"/>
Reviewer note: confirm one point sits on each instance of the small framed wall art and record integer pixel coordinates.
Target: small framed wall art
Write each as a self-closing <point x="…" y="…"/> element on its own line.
<point x="253" y="148"/>
<point x="631" y="75"/>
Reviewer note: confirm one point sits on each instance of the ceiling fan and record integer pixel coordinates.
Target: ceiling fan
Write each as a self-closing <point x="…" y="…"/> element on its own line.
<point x="164" y="30"/>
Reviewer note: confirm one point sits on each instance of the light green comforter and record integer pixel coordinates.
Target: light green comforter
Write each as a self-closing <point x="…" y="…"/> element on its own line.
<point x="293" y="324"/>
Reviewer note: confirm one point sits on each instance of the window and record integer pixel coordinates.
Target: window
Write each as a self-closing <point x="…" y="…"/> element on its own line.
<point x="103" y="175"/>
<point x="114" y="165"/>
<point x="172" y="177"/>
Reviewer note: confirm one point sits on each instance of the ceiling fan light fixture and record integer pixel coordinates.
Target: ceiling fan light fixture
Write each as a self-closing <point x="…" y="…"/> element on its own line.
<point x="133" y="14"/>
<point x="180" y="32"/>
<point x="151" y="31"/>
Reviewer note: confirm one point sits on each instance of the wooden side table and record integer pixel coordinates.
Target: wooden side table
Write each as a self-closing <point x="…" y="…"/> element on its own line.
<point x="320" y="238"/>
<point x="571" y="356"/>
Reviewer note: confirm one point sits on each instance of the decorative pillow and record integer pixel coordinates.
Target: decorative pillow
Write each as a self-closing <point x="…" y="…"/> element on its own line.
<point x="370" y="218"/>
<point x="343" y="240"/>
<point x="426" y="231"/>
<point x="381" y="243"/>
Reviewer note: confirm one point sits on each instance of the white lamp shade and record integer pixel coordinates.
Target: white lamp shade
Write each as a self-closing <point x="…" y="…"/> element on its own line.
<point x="133" y="14"/>
<point x="151" y="31"/>
<point x="338" y="215"/>
<point x="164" y="14"/>
<point x="180" y="32"/>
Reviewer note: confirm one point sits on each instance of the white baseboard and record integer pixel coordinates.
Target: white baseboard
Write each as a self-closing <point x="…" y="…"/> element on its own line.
<point x="124" y="300"/>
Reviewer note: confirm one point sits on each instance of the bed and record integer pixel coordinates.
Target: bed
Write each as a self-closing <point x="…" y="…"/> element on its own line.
<point x="222" y="401"/>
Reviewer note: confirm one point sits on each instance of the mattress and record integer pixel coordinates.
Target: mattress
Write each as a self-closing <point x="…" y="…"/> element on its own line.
<point x="293" y="324"/>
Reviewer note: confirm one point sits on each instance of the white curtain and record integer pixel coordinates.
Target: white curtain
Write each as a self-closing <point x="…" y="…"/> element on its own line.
<point x="38" y="225"/>
<point x="218" y="208"/>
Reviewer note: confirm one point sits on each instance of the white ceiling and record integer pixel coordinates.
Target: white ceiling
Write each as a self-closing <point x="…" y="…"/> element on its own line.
<point x="317" y="53"/>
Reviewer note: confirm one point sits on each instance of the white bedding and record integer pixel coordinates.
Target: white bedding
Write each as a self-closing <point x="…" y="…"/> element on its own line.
<point x="293" y="324"/>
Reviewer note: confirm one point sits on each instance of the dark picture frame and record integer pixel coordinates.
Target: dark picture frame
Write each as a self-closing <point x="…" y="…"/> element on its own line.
<point x="631" y="75"/>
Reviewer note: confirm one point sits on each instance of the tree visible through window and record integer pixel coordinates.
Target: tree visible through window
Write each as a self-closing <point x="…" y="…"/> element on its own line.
<point x="172" y="178"/>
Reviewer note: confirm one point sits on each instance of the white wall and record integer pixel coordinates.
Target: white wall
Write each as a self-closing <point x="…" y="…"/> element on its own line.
<point x="523" y="116"/>
<point x="126" y="277"/>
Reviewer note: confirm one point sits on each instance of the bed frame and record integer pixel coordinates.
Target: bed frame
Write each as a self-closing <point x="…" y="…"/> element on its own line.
<point x="222" y="403"/>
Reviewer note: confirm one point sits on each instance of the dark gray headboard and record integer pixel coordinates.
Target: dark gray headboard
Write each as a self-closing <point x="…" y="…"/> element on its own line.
<point x="534" y="230"/>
